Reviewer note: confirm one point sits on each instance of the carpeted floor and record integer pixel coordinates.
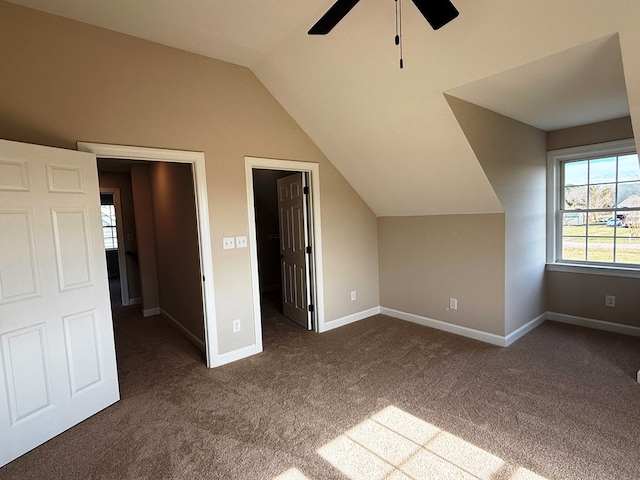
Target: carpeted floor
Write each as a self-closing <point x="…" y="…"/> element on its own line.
<point x="381" y="398"/>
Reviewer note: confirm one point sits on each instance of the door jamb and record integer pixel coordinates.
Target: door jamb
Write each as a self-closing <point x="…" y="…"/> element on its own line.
<point x="122" y="256"/>
<point x="313" y="171"/>
<point x="197" y="161"/>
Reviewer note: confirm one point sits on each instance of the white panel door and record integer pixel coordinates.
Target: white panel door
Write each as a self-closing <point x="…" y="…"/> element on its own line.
<point x="57" y="353"/>
<point x="292" y="211"/>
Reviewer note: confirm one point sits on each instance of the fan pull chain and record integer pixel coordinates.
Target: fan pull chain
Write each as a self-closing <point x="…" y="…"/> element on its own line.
<point x="399" y="29"/>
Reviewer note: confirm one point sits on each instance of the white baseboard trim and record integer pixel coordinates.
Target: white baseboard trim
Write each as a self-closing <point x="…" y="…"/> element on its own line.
<point x="446" y="327"/>
<point x="235" y="355"/>
<point x="596" y="324"/>
<point x="354" y="317"/>
<point x="523" y="330"/>
<point x="135" y="301"/>
<point x="195" y="340"/>
<point x="150" y="312"/>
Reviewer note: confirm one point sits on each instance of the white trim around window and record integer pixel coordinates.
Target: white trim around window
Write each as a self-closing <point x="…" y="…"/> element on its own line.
<point x="555" y="160"/>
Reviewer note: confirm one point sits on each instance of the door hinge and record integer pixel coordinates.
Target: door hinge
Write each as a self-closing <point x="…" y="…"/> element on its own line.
<point x="309" y="250"/>
<point x="311" y="308"/>
<point x="305" y="190"/>
<point x="203" y="278"/>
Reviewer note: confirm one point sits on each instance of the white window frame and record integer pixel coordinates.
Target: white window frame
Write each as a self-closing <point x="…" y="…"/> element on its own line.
<point x="555" y="158"/>
<point x="113" y="228"/>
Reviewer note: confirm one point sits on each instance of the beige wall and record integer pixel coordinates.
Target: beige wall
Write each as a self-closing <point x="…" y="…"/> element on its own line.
<point x="609" y="131"/>
<point x="122" y="180"/>
<point x="583" y="295"/>
<point x="426" y="260"/>
<point x="72" y="82"/>
<point x="177" y="249"/>
<point x="146" y="236"/>
<point x="513" y="156"/>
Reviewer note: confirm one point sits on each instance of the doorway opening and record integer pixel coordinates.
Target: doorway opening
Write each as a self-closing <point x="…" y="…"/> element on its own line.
<point x="292" y="286"/>
<point x="165" y="168"/>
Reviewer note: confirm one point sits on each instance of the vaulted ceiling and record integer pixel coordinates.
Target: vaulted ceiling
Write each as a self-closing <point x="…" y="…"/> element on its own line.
<point x="389" y="131"/>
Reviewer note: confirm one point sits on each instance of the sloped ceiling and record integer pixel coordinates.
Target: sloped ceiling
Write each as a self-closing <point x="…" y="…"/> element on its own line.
<point x="389" y="131"/>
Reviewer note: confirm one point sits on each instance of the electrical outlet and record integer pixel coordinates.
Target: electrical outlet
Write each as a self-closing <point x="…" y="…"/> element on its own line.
<point x="228" y="243"/>
<point x="236" y="326"/>
<point x="609" y="301"/>
<point x="241" y="242"/>
<point x="453" y="303"/>
<point x="353" y="295"/>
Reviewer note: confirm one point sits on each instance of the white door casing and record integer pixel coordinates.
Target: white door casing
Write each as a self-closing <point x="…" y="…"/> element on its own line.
<point x="312" y="169"/>
<point x="197" y="161"/>
<point x="57" y="353"/>
<point x="292" y="215"/>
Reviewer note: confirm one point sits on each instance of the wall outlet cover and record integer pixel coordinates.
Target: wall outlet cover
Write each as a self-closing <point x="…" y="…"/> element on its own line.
<point x="453" y="303"/>
<point x="228" y="243"/>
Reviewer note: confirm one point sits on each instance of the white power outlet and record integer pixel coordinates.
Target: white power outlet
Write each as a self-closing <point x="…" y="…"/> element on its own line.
<point x="353" y="295"/>
<point x="241" y="242"/>
<point x="609" y="301"/>
<point x="453" y="303"/>
<point x="228" y="243"/>
<point x="236" y="326"/>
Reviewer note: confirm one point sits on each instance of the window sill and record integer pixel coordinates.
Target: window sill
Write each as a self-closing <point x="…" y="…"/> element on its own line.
<point x="594" y="270"/>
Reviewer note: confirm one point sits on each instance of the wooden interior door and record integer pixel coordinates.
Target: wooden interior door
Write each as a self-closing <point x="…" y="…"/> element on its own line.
<point x="57" y="352"/>
<point x="292" y="211"/>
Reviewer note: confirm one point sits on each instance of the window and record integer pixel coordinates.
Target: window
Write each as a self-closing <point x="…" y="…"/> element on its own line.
<point x="596" y="205"/>
<point x="109" y="227"/>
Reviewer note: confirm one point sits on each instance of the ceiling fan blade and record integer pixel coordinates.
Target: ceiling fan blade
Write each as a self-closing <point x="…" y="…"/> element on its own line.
<point x="437" y="12"/>
<point x="332" y="17"/>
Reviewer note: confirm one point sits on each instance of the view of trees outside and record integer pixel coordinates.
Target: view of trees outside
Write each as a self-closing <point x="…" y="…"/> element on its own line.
<point x="601" y="210"/>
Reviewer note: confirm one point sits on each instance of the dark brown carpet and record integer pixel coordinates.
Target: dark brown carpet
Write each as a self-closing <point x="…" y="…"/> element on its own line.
<point x="562" y="403"/>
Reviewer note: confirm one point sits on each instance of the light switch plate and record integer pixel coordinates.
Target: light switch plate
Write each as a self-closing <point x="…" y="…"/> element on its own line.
<point x="241" y="242"/>
<point x="228" y="243"/>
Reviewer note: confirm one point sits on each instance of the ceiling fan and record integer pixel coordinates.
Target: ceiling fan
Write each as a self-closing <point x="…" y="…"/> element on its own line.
<point x="437" y="12"/>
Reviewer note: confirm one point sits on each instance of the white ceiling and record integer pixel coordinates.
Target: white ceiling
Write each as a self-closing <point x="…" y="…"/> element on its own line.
<point x="389" y="131"/>
<point x="584" y="84"/>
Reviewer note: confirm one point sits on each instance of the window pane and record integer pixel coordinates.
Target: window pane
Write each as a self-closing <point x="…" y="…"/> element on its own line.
<point x="632" y="220"/>
<point x="628" y="168"/>
<point x="603" y="227"/>
<point x="602" y="196"/>
<point x="602" y="170"/>
<point x="600" y="249"/>
<point x="575" y="197"/>
<point x="574" y="248"/>
<point x="574" y="223"/>
<point x="628" y="250"/>
<point x="599" y="218"/>
<point x="575" y="173"/>
<point x="629" y="195"/>
<point x="109" y="226"/>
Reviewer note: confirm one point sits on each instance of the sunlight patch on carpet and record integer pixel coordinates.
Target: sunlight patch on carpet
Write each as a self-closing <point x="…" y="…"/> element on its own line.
<point x="291" y="474"/>
<point x="393" y="444"/>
